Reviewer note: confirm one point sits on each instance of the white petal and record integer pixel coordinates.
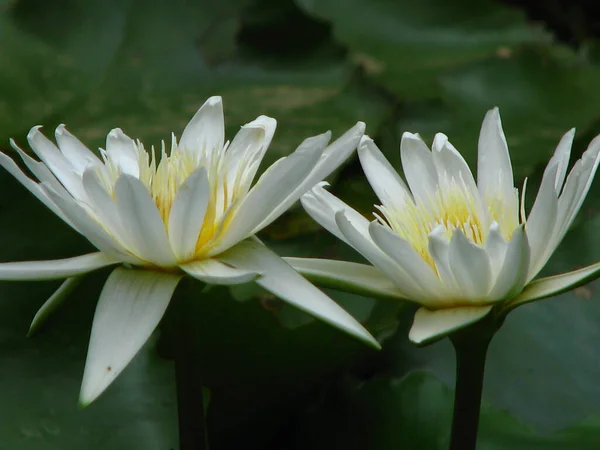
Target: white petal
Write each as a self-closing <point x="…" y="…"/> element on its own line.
<point x="187" y="213"/>
<point x="33" y="187"/>
<point x="54" y="269"/>
<point x="206" y="130"/>
<point x="322" y="206"/>
<point x="89" y="228"/>
<point x="561" y="159"/>
<point x="120" y="149"/>
<point x="419" y="170"/>
<point x="451" y="166"/>
<point x="53" y="303"/>
<point x="347" y="276"/>
<point x="248" y="148"/>
<point x="384" y="180"/>
<point x="142" y="219"/>
<point x="551" y="286"/>
<point x="80" y="157"/>
<point x="495" y="245"/>
<point x="131" y="305"/>
<point x="60" y="166"/>
<point x="333" y="156"/>
<point x="281" y="279"/>
<point x="271" y="190"/>
<point x="494" y="170"/>
<point x="212" y="271"/>
<point x="103" y="206"/>
<point x="439" y="249"/>
<point x="471" y="268"/>
<point x="513" y="275"/>
<point x="429" y="326"/>
<point x="364" y="245"/>
<point x="406" y="257"/>
<point x="542" y="222"/>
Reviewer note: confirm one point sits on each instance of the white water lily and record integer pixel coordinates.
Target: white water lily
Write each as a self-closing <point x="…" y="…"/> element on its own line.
<point x="456" y="247"/>
<point x="191" y="211"/>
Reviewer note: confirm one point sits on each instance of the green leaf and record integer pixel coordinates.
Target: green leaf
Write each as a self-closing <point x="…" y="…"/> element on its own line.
<point x="406" y="46"/>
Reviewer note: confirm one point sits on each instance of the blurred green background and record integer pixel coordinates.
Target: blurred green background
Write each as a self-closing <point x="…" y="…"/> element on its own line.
<point x="278" y="379"/>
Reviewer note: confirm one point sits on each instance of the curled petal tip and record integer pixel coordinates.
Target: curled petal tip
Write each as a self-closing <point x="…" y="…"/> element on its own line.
<point x="214" y="100"/>
<point x="34" y="131"/>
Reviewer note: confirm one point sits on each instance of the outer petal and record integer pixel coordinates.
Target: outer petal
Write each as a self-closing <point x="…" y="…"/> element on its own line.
<point x="512" y="277"/>
<point x="53" y="303"/>
<point x="439" y="248"/>
<point x="130" y="307"/>
<point x="206" y="130"/>
<point x="495" y="246"/>
<point x="282" y="280"/>
<point x="141" y="218"/>
<point x="80" y="157"/>
<point x="322" y="206"/>
<point x="247" y="150"/>
<point x="363" y="244"/>
<point x="471" y="268"/>
<point x="212" y="271"/>
<point x="120" y="149"/>
<point x="551" y="286"/>
<point x="382" y="177"/>
<point x="429" y="326"/>
<point x="333" y="156"/>
<point x="33" y="187"/>
<point x="561" y="159"/>
<point x="346" y="276"/>
<point x="187" y="214"/>
<point x="406" y="257"/>
<point x="54" y="269"/>
<point x="494" y="170"/>
<point x="272" y="188"/>
<point x="419" y="169"/>
<point x="541" y="222"/>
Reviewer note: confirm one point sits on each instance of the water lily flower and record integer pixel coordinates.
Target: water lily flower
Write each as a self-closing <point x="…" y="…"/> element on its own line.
<point x="457" y="247"/>
<point x="192" y="211"/>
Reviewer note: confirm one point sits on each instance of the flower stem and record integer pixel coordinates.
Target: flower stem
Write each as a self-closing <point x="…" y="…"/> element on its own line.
<point x="471" y="346"/>
<point x="190" y="401"/>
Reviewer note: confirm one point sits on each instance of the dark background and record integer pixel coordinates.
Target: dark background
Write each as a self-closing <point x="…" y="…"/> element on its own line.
<point x="278" y="379"/>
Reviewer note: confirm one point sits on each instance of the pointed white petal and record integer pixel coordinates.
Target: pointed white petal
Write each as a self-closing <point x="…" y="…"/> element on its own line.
<point x="333" y="156"/>
<point x="513" y="275"/>
<point x="212" y="271"/>
<point x="271" y="190"/>
<point x="347" y="276"/>
<point x="187" y="213"/>
<point x="494" y="170"/>
<point x="542" y="222"/>
<point x="89" y="228"/>
<point x="206" y="130"/>
<point x="471" y="268"/>
<point x="120" y="149"/>
<point x="364" y="245"/>
<point x="555" y="285"/>
<point x="322" y="206"/>
<point x="384" y="180"/>
<point x="561" y="159"/>
<point x="80" y="157"/>
<point x="142" y="219"/>
<point x="131" y="305"/>
<point x="495" y="245"/>
<point x="282" y="280"/>
<point x="33" y="187"/>
<point x="54" y="269"/>
<point x="53" y="303"/>
<point x="419" y="170"/>
<point x="439" y="248"/>
<point x="429" y="326"/>
<point x="406" y="257"/>
<point x="451" y="166"/>
<point x="56" y="162"/>
<point x="247" y="149"/>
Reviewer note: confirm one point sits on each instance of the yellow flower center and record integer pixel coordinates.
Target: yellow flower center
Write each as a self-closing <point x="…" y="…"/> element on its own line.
<point x="452" y="206"/>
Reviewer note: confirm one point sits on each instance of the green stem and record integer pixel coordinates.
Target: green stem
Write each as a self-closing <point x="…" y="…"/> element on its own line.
<point x="190" y="402"/>
<point x="471" y="346"/>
